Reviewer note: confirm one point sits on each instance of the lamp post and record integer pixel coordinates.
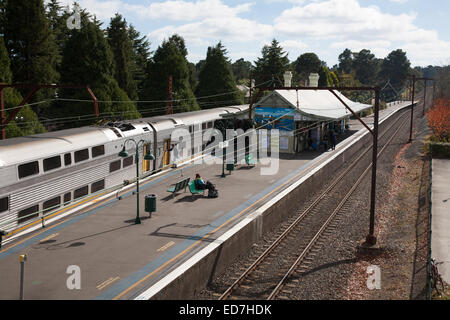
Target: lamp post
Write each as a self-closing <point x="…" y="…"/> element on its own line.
<point x="148" y="157"/>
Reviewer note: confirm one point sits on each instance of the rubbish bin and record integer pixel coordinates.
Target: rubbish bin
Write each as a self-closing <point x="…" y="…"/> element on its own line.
<point x="230" y="166"/>
<point x="150" y="203"/>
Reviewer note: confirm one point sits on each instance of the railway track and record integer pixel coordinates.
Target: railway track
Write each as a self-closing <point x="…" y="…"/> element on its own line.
<point x="270" y="275"/>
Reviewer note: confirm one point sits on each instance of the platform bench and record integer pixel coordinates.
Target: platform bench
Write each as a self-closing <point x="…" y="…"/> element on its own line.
<point x="179" y="186"/>
<point x="194" y="190"/>
<point x="250" y="161"/>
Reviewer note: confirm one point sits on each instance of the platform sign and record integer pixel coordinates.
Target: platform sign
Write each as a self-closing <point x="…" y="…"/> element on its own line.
<point x="275" y="118"/>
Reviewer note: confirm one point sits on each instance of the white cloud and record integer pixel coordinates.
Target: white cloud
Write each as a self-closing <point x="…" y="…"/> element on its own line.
<point x="345" y="23"/>
<point x="179" y="10"/>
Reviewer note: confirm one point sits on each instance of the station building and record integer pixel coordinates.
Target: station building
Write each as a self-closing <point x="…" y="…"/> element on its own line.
<point x="303" y="117"/>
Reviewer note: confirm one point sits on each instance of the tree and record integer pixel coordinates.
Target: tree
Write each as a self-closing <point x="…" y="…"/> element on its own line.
<point x="32" y="47"/>
<point x="273" y="63"/>
<point x="167" y="61"/>
<point x="443" y="82"/>
<point x="325" y="78"/>
<point x="122" y="48"/>
<point x="345" y="61"/>
<point x="88" y="59"/>
<point x="396" y="67"/>
<point x="306" y="64"/>
<point x="439" y="120"/>
<point x="366" y="67"/>
<point x="241" y="69"/>
<point x="27" y="121"/>
<point x="140" y="57"/>
<point x="216" y="78"/>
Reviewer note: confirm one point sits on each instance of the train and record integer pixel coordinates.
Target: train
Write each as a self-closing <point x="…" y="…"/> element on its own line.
<point x="44" y="172"/>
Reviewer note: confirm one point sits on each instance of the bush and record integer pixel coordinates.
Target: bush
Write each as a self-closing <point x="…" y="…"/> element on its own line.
<point x="439" y="120"/>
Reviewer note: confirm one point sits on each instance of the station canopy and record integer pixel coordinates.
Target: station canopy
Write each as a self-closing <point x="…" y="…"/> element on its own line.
<point x="313" y="104"/>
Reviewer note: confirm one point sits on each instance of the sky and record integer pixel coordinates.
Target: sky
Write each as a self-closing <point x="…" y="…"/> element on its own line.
<point x="421" y="28"/>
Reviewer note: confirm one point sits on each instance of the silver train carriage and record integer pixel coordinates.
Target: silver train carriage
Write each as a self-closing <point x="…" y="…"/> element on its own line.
<point x="44" y="172"/>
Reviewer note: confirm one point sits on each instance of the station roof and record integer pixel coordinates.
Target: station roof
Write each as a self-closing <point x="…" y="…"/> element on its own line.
<point x="314" y="104"/>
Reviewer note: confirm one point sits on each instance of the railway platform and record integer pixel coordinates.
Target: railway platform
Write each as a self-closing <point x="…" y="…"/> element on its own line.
<point x="440" y="229"/>
<point x="117" y="259"/>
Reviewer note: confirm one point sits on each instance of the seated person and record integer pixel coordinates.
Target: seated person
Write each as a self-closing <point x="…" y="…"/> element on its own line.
<point x="201" y="185"/>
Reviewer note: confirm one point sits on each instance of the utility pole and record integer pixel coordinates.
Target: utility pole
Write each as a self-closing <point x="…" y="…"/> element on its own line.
<point x="424" y="98"/>
<point x="412" y="107"/>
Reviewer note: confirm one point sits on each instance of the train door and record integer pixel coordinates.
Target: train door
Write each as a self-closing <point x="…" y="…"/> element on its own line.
<point x="145" y="163"/>
<point x="166" y="154"/>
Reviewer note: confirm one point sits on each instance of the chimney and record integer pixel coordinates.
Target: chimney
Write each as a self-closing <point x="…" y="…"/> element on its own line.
<point x="313" y="80"/>
<point x="288" y="79"/>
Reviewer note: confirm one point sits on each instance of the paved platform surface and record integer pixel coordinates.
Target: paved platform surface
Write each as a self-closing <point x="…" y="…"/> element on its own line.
<point x="440" y="210"/>
<point x="118" y="259"/>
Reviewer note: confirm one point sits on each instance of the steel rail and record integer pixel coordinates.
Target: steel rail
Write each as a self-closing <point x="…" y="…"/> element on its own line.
<point x="261" y="258"/>
<point x="332" y="216"/>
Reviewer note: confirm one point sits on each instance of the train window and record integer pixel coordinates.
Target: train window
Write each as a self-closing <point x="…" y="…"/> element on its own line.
<point x="67" y="198"/>
<point x="98" y="151"/>
<point x="67" y="159"/>
<point x="28" y="169"/>
<point x="191" y="129"/>
<point x="114" y="166"/>
<point x="97" y="186"/>
<point x="51" y="204"/>
<point x="210" y="125"/>
<point x="81" y="192"/>
<point x="128" y="161"/>
<point x="28" y="213"/>
<point x="81" y="155"/>
<point x="4" y="204"/>
<point x="52" y="163"/>
<point x="204" y="126"/>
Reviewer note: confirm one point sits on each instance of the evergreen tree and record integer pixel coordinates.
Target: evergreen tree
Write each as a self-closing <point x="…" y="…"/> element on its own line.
<point x="216" y="78"/>
<point x="167" y="61"/>
<point x="140" y="57"/>
<point x="346" y="61"/>
<point x="325" y="78"/>
<point x="88" y="59"/>
<point x="241" y="69"/>
<point x="31" y="45"/>
<point x="26" y="121"/>
<point x="122" y="48"/>
<point x="58" y="24"/>
<point x="395" y="67"/>
<point x="366" y="67"/>
<point x="306" y="64"/>
<point x="274" y="62"/>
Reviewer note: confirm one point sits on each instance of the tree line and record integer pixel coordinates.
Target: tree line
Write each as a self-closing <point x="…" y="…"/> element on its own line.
<point x="131" y="81"/>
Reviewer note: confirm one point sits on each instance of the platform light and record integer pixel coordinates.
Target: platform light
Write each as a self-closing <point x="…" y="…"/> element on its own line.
<point x="148" y="156"/>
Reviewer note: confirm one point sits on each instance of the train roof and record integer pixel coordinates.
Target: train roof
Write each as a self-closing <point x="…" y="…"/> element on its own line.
<point x="29" y="148"/>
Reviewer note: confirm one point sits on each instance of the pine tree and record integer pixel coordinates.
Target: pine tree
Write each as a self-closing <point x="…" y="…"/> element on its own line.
<point x="216" y="79"/>
<point x="140" y="57"/>
<point x="31" y="46"/>
<point x="274" y="62"/>
<point x="58" y="24"/>
<point x="366" y="67"/>
<point x="27" y="121"/>
<point x="88" y="59"/>
<point x="346" y="61"/>
<point x="395" y="67"/>
<point x="122" y="48"/>
<point x="306" y="64"/>
<point x="167" y="61"/>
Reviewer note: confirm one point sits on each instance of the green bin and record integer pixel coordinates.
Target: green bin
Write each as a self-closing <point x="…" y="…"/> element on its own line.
<point x="150" y="203"/>
<point x="230" y="166"/>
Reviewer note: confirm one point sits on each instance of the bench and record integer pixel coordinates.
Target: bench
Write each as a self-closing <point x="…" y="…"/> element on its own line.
<point x="249" y="160"/>
<point x="193" y="189"/>
<point x="179" y="186"/>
